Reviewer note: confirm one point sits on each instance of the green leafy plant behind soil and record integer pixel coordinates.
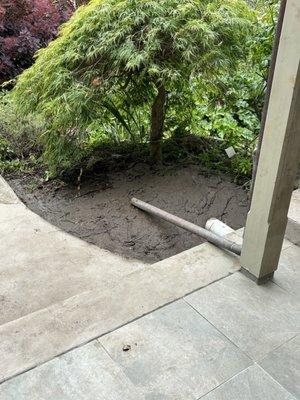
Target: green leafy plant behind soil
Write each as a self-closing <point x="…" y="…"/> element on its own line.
<point x="19" y="149"/>
<point x="119" y="68"/>
<point x="121" y="71"/>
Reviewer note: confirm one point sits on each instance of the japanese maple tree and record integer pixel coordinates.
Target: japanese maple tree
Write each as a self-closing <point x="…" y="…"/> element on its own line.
<point x="117" y="62"/>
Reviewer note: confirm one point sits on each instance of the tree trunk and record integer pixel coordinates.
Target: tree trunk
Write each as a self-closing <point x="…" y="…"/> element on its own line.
<point x="157" y="123"/>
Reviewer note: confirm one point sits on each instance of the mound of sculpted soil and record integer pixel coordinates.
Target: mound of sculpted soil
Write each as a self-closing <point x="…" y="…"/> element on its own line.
<point x="100" y="212"/>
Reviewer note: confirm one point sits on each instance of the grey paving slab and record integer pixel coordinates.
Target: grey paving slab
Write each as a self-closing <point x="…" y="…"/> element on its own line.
<point x="283" y="364"/>
<point x="256" y="318"/>
<point x="293" y="225"/>
<point x="20" y="232"/>
<point x="60" y="327"/>
<point x="51" y="267"/>
<point x="18" y="216"/>
<point x="86" y="373"/>
<point x="28" y="237"/>
<point x="294" y="210"/>
<point x="7" y="195"/>
<point x="41" y="265"/>
<point x="287" y="275"/>
<point x="293" y="231"/>
<point x="174" y="354"/>
<point x="251" y="384"/>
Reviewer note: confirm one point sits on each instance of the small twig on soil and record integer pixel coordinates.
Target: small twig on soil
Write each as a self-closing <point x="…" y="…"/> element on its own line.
<point x="86" y="194"/>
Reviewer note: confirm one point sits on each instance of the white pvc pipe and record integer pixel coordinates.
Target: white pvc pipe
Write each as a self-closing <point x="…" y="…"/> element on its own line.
<point x="218" y="227"/>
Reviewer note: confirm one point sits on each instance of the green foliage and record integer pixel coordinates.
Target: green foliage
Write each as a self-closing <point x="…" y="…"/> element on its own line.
<point x="98" y="80"/>
<point x="18" y="137"/>
<point x="230" y="108"/>
<point x="262" y="43"/>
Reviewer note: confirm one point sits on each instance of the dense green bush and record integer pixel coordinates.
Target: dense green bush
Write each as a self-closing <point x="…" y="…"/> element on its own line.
<point x="18" y="136"/>
<point x="120" y="69"/>
<point x="231" y="109"/>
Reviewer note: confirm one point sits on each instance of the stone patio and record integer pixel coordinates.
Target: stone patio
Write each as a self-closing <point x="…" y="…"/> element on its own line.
<point x="190" y="327"/>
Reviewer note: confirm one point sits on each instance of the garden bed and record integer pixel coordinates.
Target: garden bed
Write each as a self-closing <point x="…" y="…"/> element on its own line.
<point x="99" y="210"/>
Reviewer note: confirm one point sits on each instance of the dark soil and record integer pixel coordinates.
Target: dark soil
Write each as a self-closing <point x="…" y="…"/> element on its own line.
<point x="100" y="212"/>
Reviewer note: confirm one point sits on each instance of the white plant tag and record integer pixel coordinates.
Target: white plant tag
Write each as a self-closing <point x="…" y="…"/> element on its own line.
<point x="230" y="152"/>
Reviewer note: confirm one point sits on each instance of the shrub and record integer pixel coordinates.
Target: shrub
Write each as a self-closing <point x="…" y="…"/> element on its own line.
<point x="119" y="68"/>
<point x="25" y="27"/>
<point x="18" y="136"/>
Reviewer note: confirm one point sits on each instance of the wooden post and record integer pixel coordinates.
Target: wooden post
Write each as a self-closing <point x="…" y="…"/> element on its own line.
<point x="279" y="157"/>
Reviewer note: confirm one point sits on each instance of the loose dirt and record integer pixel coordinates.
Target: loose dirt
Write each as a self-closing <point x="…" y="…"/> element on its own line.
<point x="100" y="211"/>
